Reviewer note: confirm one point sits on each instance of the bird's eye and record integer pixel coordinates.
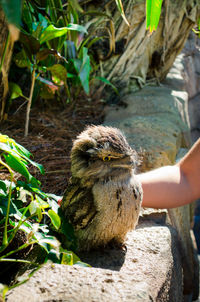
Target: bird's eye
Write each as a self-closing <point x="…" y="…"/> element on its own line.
<point x="106" y="158"/>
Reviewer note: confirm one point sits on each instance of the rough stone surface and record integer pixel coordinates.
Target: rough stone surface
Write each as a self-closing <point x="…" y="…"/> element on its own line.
<point x="144" y="273"/>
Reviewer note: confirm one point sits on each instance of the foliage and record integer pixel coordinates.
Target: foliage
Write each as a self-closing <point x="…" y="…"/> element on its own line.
<point x="56" y="48"/>
<point x="25" y="207"/>
<point x="153" y="11"/>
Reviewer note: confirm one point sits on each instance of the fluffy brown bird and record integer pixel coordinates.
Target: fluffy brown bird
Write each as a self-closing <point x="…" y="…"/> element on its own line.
<point x="103" y="198"/>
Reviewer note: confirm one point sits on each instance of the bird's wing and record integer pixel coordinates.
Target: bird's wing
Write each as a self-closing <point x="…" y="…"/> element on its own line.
<point x="78" y="205"/>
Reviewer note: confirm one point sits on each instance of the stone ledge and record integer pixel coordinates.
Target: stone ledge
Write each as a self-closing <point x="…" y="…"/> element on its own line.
<point x="144" y="273"/>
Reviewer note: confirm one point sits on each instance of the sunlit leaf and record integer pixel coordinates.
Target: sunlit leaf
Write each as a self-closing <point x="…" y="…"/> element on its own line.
<point x="3" y="186"/>
<point x="59" y="74"/>
<point x="17" y="165"/>
<point x="67" y="258"/>
<point x="83" y="68"/>
<point x="55" y="219"/>
<point x="52" y="32"/>
<point x="153" y="11"/>
<point x="15" y="91"/>
<point x="45" y="241"/>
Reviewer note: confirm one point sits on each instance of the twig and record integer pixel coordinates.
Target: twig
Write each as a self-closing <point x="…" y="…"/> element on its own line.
<point x="29" y="102"/>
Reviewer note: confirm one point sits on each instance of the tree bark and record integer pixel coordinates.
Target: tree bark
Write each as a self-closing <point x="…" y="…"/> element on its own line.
<point x="6" y="46"/>
<point x="138" y="55"/>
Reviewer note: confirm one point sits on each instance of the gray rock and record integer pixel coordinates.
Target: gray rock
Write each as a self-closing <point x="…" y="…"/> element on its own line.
<point x="145" y="272"/>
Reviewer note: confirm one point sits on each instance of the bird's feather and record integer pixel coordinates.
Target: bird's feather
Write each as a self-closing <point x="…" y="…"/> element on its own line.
<point x="78" y="205"/>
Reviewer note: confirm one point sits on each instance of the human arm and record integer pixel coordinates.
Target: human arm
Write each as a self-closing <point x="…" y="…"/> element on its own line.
<point x="173" y="186"/>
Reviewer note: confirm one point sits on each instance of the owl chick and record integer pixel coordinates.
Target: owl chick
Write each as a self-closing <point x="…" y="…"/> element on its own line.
<point x="103" y="198"/>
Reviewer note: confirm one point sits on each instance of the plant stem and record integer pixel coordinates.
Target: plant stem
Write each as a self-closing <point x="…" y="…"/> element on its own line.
<point x="18" y="260"/>
<point x="4" y="51"/>
<point x="23" y="246"/>
<point x="5" y="234"/>
<point x="30" y="101"/>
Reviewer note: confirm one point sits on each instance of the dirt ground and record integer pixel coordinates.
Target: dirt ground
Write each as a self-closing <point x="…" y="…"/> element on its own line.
<point x="51" y="133"/>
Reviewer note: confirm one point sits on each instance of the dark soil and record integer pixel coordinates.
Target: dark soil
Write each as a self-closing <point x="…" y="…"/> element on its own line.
<point x="51" y="133"/>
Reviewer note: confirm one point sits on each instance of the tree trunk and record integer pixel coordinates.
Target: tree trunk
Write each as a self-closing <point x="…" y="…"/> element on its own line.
<point x="6" y="46"/>
<point x="138" y="55"/>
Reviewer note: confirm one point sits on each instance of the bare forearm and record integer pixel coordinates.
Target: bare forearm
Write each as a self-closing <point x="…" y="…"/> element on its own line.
<point x="166" y="187"/>
<point x="173" y="186"/>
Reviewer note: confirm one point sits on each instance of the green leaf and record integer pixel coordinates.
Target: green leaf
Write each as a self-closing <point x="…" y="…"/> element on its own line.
<point x="44" y="53"/>
<point x="3" y="189"/>
<point x="30" y="43"/>
<point x="12" y="11"/>
<point x="15" y="91"/>
<point x="59" y="74"/>
<point x="83" y="68"/>
<point x="21" y="60"/>
<point x="33" y="207"/>
<point x="3" y="290"/>
<point x="18" y="165"/>
<point x="45" y="241"/>
<point x="39" y="166"/>
<point x="52" y="32"/>
<point x="27" y="18"/>
<point x="3" y="186"/>
<point x="55" y="219"/>
<point x="153" y="11"/>
<point x="67" y="258"/>
<point x="107" y="82"/>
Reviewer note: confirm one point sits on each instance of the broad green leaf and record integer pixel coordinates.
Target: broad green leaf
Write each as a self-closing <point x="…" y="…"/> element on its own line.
<point x="30" y="43"/>
<point x="15" y="91"/>
<point x="44" y="53"/>
<point x="17" y="165"/>
<point x="46" y="240"/>
<point x="52" y="32"/>
<point x="21" y="60"/>
<point x="83" y="68"/>
<point x="34" y="208"/>
<point x="41" y="203"/>
<point x="107" y="82"/>
<point x="39" y="166"/>
<point x="6" y="139"/>
<point x="14" y="212"/>
<point x="54" y="256"/>
<point x="21" y="150"/>
<point x="55" y="219"/>
<point x="153" y="11"/>
<point x="26" y="226"/>
<point x="67" y="258"/>
<point x="3" y="186"/>
<point x="34" y="182"/>
<point x="12" y="10"/>
<point x="59" y="74"/>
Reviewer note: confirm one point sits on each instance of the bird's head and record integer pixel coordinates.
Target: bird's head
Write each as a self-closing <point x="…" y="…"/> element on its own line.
<point x="100" y="152"/>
